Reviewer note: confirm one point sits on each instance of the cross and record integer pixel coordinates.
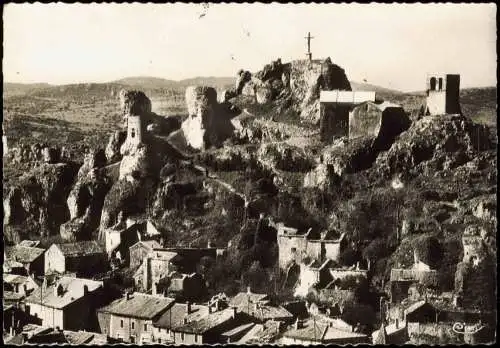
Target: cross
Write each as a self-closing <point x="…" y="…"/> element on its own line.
<point x="309" y="37"/>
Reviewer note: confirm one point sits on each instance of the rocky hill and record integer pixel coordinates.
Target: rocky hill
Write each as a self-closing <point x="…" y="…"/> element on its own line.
<point x="240" y="160"/>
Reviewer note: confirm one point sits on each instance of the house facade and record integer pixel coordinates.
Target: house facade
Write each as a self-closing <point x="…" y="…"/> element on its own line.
<point x="31" y="258"/>
<point x="68" y="304"/>
<point x="130" y="319"/>
<point x="82" y="258"/>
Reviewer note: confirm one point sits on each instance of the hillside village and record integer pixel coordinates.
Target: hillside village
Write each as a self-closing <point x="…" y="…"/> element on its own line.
<point x="285" y="209"/>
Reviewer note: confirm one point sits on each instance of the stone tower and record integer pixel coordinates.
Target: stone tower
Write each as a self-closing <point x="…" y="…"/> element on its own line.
<point x="136" y="107"/>
<point x="443" y="94"/>
<point x="135" y="129"/>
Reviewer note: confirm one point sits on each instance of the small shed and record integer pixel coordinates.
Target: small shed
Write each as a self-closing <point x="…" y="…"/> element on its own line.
<point x="380" y="120"/>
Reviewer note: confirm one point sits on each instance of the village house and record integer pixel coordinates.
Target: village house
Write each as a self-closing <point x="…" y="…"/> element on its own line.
<point x="31" y="258"/>
<point x="120" y="237"/>
<point x="258" y="333"/>
<point x="382" y="121"/>
<point x="131" y="317"/>
<point x="36" y="334"/>
<point x="140" y="250"/>
<point x="176" y="315"/>
<point x="210" y="328"/>
<point x="320" y="332"/>
<point x="395" y="333"/>
<point x="403" y="278"/>
<point x="14" y="319"/>
<point x="257" y="307"/>
<point x="83" y="258"/>
<point x="297" y="247"/>
<point x="18" y="285"/>
<point x="68" y="304"/>
<point x="334" y="111"/>
<point x="186" y="287"/>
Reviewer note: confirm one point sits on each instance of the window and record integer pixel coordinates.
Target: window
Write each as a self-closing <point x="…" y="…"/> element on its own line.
<point x="159" y="340"/>
<point x="145" y="327"/>
<point x="196" y="338"/>
<point x="433" y="83"/>
<point x="132" y="133"/>
<point x="133" y="325"/>
<point x="182" y="335"/>
<point x="121" y="323"/>
<point x="440" y="82"/>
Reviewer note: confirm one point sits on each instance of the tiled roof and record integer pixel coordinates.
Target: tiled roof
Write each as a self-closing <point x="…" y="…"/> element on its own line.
<point x="238" y="330"/>
<point x="29" y="243"/>
<point x="402" y="274"/>
<point x="139" y="305"/>
<point x="413" y="307"/>
<point x="150" y="244"/>
<point x="177" y="312"/>
<point x="207" y="322"/>
<point x="23" y="254"/>
<point x="82" y="248"/>
<point x="14" y="279"/>
<point x="322" y="332"/>
<point x="83" y="337"/>
<point x="246" y="298"/>
<point x="264" y="312"/>
<point x="72" y="290"/>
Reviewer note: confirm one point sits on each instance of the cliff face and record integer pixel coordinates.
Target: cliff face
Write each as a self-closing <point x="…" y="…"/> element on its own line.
<point x="38" y="201"/>
<point x="85" y="201"/>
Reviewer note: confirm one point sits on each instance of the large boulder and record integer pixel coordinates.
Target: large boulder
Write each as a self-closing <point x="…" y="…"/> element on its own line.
<point x="241" y="79"/>
<point x="283" y="156"/>
<point x="322" y="177"/>
<point x="208" y="123"/>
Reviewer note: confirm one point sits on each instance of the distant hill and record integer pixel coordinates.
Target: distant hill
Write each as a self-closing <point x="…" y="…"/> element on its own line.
<point x="358" y="86"/>
<point x="160" y="83"/>
<point x="11" y="89"/>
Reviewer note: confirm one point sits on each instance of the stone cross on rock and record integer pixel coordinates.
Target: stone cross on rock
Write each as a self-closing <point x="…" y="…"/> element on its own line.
<point x="309" y="37"/>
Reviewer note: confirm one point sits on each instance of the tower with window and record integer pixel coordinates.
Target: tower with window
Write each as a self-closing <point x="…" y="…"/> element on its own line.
<point x="443" y="94"/>
<point x="135" y="131"/>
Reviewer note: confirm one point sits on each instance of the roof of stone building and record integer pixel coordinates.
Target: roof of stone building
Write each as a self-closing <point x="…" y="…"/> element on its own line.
<point x="12" y="296"/>
<point x="14" y="279"/>
<point x="322" y="332"/>
<point x="83" y="337"/>
<point x="244" y="298"/>
<point x="23" y="254"/>
<point x="238" y="330"/>
<point x="73" y="289"/>
<point x="138" y="305"/>
<point x="209" y="322"/>
<point x="264" y="312"/>
<point x="88" y="247"/>
<point x="402" y="274"/>
<point x="415" y="306"/>
<point x="267" y="333"/>
<point x="177" y="312"/>
<point x="29" y="243"/>
<point x="150" y="244"/>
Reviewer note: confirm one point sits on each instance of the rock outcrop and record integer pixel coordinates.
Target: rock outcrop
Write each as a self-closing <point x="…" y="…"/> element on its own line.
<point x="208" y="123"/>
<point x="38" y="201"/>
<point x="436" y="143"/>
<point x="115" y="142"/>
<point x="86" y="199"/>
<point x="322" y="177"/>
<point x="283" y="156"/>
<point x="298" y="81"/>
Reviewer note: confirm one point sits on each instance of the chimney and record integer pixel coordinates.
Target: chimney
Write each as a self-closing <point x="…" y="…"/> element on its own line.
<point x="298" y="324"/>
<point x="185" y="320"/>
<point x="209" y="244"/>
<point x="127" y="295"/>
<point x="357" y="266"/>
<point x="249" y="291"/>
<point x="85" y="290"/>
<point x="210" y="309"/>
<point x="188" y="307"/>
<point x="415" y="257"/>
<point x="234" y="312"/>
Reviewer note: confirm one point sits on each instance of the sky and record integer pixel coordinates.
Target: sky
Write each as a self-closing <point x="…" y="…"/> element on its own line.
<point x="394" y="46"/>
